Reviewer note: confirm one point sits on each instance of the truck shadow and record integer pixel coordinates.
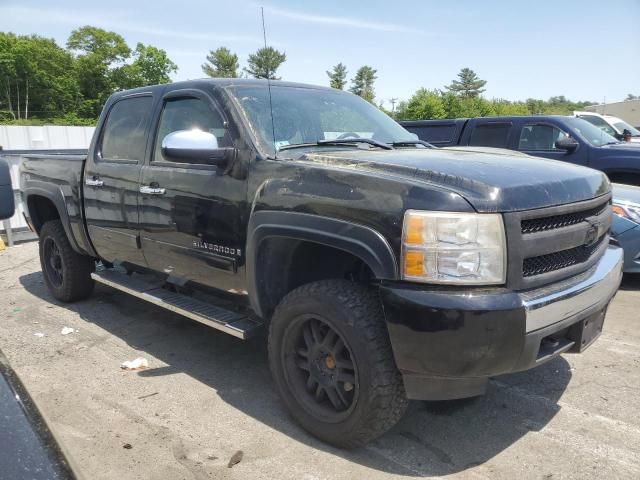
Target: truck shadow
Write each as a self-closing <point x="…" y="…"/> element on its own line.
<point x="433" y="439"/>
<point x="630" y="281"/>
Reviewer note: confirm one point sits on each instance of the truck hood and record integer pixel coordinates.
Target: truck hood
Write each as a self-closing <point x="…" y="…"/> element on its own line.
<point x="632" y="146"/>
<point x="490" y="182"/>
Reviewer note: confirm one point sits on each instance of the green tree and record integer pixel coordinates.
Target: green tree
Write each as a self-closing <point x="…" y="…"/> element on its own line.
<point x="535" y="106"/>
<point x="265" y="62"/>
<point x="221" y="63"/>
<point x="99" y="54"/>
<point x="631" y="96"/>
<point x="151" y="66"/>
<point x="36" y="77"/>
<point x="338" y="76"/>
<point x="362" y="83"/>
<point x="505" y="107"/>
<point x="468" y="84"/>
<point x="107" y="46"/>
<point x="425" y="104"/>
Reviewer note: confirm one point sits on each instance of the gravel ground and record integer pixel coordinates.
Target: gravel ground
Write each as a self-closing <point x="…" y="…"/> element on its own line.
<point x="207" y="396"/>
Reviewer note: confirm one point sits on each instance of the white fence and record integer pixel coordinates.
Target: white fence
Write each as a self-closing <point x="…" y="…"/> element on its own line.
<point x="35" y="138"/>
<point x="45" y="137"/>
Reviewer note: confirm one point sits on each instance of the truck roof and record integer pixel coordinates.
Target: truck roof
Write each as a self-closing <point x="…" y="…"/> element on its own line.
<point x="497" y="118"/>
<point x="220" y="83"/>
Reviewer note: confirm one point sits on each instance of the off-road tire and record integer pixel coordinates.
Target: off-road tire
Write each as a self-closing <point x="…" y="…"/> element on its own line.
<point x="75" y="282"/>
<point x="355" y="312"/>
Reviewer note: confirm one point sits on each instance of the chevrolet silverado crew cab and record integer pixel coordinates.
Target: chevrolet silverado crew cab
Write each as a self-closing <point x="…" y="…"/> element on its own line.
<point x="380" y="268"/>
<point x="557" y="137"/>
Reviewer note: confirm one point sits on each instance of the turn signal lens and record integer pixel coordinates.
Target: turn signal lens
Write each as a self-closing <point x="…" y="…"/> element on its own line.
<point x="414" y="263"/>
<point x="415" y="228"/>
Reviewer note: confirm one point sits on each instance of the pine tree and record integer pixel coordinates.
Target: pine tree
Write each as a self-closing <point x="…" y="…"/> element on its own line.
<point x="362" y="83"/>
<point x="468" y="84"/>
<point x="221" y="63"/>
<point x="265" y="62"/>
<point x="338" y="76"/>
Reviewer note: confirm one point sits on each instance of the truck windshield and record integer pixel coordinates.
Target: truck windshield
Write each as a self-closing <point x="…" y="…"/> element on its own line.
<point x="305" y="116"/>
<point x="621" y="125"/>
<point x="592" y="134"/>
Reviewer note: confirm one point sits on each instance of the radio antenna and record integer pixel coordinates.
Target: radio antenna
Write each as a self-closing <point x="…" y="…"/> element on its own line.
<point x="273" y="127"/>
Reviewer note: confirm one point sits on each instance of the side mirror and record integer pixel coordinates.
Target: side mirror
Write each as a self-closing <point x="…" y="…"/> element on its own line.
<point x="567" y="143"/>
<point x="7" y="206"/>
<point x="195" y="146"/>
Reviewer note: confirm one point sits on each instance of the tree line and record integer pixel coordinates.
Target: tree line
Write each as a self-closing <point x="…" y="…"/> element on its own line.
<point x="42" y="82"/>
<point x="39" y="80"/>
<point x="462" y="98"/>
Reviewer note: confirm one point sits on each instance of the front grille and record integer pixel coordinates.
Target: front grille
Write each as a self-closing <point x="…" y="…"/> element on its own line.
<point x="543" y="224"/>
<point x="559" y="260"/>
<point x="549" y="244"/>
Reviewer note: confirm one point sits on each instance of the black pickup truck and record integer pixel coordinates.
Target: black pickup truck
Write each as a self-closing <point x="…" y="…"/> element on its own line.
<point x="557" y="137"/>
<point x="382" y="269"/>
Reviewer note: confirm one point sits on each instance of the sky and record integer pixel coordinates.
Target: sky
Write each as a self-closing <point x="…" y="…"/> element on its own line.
<point x="584" y="50"/>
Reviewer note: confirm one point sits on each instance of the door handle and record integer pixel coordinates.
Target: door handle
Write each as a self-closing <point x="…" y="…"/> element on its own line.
<point x="94" y="182"/>
<point x="147" y="190"/>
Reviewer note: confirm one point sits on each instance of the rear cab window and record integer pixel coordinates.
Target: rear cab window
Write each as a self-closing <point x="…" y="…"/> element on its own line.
<point x="494" y="134"/>
<point x="124" y="132"/>
<point x="443" y="134"/>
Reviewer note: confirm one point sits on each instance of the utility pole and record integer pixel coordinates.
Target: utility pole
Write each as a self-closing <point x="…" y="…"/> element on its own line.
<point x="393" y="104"/>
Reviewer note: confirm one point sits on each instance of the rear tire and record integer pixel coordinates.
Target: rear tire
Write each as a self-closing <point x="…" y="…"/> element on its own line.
<point x="332" y="363"/>
<point x="66" y="272"/>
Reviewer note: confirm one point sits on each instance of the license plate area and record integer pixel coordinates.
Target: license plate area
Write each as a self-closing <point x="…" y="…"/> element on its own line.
<point x="586" y="331"/>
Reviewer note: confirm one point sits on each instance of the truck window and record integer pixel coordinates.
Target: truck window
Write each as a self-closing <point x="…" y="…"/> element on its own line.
<point x="539" y="137"/>
<point x="490" y="135"/>
<point x="124" y="131"/>
<point x="435" y="134"/>
<point x="189" y="114"/>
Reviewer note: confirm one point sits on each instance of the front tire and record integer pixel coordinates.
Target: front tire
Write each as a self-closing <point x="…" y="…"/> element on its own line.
<point x="67" y="274"/>
<point x="332" y="363"/>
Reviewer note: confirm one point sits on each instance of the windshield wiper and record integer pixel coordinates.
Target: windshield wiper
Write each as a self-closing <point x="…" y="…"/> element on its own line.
<point x="370" y="141"/>
<point x="343" y="141"/>
<point x="403" y="143"/>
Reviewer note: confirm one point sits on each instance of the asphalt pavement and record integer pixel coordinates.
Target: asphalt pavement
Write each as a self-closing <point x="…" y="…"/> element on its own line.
<point x="206" y="406"/>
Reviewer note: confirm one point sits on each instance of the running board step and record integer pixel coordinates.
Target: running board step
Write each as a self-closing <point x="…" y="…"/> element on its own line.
<point x="233" y="323"/>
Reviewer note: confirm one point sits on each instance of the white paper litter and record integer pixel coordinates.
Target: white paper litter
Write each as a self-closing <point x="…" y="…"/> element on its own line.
<point x="135" y="364"/>
<point x="67" y="330"/>
<point x="38" y="334"/>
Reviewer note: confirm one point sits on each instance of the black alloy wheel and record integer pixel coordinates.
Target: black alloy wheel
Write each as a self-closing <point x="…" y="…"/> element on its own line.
<point x="322" y="372"/>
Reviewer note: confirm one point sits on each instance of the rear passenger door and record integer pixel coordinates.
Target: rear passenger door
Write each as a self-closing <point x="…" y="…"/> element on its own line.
<point x="192" y="214"/>
<point x="488" y="133"/>
<point x="111" y="180"/>
<point x="539" y="138"/>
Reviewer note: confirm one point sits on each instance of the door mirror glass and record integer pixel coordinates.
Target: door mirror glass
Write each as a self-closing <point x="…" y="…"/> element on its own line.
<point x="193" y="146"/>
<point x="6" y="192"/>
<point x="567" y="143"/>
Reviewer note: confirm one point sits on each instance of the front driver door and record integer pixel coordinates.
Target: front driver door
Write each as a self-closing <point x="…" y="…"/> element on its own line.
<point x="538" y="139"/>
<point x="191" y="214"/>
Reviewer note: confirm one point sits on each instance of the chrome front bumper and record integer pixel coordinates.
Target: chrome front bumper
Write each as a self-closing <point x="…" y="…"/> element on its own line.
<point x="581" y="295"/>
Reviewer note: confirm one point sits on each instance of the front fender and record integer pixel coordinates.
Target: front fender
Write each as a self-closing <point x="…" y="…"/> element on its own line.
<point x="361" y="241"/>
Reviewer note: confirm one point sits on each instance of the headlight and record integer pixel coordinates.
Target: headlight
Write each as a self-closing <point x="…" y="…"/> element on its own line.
<point x="630" y="211"/>
<point x="458" y="248"/>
